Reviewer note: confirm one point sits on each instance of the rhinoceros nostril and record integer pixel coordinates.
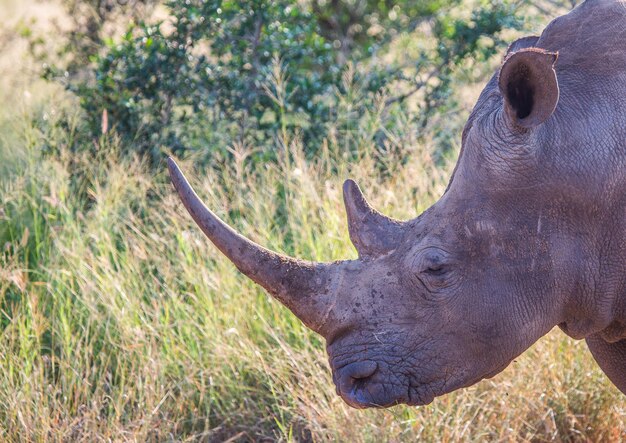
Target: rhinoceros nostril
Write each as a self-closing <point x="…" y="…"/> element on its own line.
<point x="352" y="381"/>
<point x="360" y="370"/>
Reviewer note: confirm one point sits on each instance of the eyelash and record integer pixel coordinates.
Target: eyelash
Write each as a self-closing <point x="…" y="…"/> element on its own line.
<point x="436" y="270"/>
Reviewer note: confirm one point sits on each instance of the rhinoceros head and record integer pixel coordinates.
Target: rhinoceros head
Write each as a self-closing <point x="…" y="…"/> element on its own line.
<point x="508" y="252"/>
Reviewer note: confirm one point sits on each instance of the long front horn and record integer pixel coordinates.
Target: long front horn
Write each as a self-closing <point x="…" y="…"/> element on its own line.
<point x="304" y="287"/>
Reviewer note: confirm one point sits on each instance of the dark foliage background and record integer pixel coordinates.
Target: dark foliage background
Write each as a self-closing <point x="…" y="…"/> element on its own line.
<point x="201" y="75"/>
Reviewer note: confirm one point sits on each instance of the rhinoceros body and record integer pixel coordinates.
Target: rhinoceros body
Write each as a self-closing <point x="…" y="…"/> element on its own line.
<point x="531" y="233"/>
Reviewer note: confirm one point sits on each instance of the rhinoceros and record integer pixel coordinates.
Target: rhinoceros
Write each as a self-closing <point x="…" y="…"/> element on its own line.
<point x="529" y="234"/>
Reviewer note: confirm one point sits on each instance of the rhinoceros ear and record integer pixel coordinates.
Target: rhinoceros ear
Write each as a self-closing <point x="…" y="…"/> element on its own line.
<point x="529" y="86"/>
<point x="371" y="232"/>
<point x="522" y="43"/>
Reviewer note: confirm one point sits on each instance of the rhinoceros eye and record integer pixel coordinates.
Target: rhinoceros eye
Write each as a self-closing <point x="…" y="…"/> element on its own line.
<point x="434" y="262"/>
<point x="433" y="268"/>
<point x="436" y="270"/>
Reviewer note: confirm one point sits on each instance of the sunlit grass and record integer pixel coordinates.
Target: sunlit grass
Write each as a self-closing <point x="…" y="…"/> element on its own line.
<point x="119" y="321"/>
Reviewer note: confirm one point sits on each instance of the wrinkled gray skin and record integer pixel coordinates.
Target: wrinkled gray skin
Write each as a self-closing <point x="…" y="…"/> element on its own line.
<point x="531" y="233"/>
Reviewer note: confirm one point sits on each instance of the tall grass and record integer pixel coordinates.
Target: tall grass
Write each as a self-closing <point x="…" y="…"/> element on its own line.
<point x="119" y="321"/>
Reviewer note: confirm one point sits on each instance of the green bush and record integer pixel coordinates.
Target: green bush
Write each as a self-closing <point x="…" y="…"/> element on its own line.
<point x="218" y="72"/>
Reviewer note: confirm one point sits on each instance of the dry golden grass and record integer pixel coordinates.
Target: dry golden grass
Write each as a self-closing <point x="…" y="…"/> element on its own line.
<point x="137" y="329"/>
<point x="120" y="321"/>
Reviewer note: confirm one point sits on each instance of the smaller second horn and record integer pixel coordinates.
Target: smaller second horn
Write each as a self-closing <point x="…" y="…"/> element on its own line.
<point x="371" y="232"/>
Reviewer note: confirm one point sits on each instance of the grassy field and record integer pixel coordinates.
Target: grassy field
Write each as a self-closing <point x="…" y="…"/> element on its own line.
<point x="120" y="322"/>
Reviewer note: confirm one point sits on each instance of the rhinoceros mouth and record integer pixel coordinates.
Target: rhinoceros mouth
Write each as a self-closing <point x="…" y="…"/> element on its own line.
<point x="383" y="395"/>
<point x="367" y="384"/>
